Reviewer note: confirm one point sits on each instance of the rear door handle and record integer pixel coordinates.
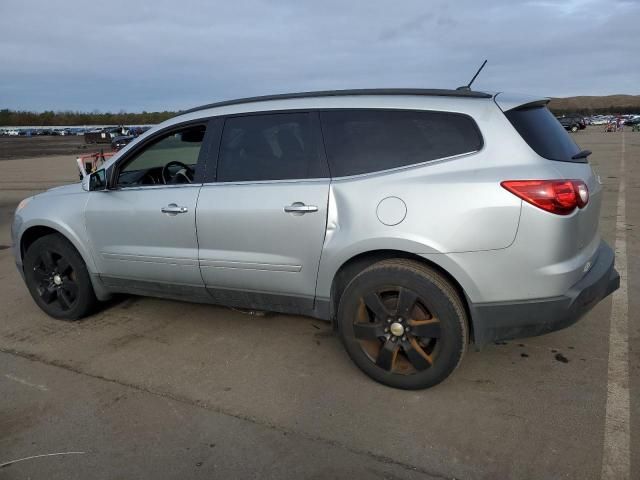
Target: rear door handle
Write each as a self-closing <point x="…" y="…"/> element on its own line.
<point x="173" y="209"/>
<point x="299" y="208"/>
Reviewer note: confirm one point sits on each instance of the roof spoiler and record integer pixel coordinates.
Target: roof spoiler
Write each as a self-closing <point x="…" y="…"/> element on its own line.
<point x="512" y="101"/>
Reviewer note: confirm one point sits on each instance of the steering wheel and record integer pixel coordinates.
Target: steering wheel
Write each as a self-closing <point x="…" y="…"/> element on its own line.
<point x="185" y="172"/>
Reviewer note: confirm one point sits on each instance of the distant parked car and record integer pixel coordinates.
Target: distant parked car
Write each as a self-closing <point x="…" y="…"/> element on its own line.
<point x="119" y="142"/>
<point x="572" y="123"/>
<point x="104" y="135"/>
<point x="633" y="121"/>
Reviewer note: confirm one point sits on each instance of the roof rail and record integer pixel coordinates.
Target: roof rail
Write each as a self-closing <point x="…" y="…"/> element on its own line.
<point x="345" y="93"/>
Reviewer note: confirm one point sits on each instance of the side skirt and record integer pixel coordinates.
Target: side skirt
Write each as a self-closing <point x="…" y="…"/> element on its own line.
<point x="295" y="305"/>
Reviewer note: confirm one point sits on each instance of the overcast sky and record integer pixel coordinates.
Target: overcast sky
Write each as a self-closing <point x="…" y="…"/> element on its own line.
<point x="155" y="55"/>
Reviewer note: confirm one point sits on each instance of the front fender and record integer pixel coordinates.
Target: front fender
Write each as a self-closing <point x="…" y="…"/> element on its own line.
<point x="65" y="215"/>
<point x="79" y="242"/>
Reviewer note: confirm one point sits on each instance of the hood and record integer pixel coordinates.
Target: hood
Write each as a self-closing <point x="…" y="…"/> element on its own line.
<point x="64" y="189"/>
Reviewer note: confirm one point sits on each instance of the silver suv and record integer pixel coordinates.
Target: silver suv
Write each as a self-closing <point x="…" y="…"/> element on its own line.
<point x="417" y="221"/>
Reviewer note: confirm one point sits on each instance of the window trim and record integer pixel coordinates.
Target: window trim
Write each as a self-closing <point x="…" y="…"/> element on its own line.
<point x="387" y="171"/>
<point x="208" y="122"/>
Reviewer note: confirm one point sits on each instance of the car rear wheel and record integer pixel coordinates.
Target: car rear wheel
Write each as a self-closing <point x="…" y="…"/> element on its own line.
<point x="403" y="324"/>
<point x="57" y="278"/>
<point x="574" y="128"/>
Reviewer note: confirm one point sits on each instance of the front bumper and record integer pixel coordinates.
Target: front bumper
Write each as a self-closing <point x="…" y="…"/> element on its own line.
<point x="508" y="320"/>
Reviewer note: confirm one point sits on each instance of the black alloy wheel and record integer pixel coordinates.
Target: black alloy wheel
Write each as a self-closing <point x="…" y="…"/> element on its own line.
<point x="403" y="324"/>
<point x="397" y="331"/>
<point x="58" y="279"/>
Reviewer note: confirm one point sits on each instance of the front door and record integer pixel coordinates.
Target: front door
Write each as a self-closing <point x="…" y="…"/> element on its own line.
<point x="261" y="224"/>
<point x="143" y="230"/>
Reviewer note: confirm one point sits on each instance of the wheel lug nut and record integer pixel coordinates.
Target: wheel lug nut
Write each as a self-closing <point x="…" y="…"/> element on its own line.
<point x="386" y="329"/>
<point x="404" y="338"/>
<point x="388" y="320"/>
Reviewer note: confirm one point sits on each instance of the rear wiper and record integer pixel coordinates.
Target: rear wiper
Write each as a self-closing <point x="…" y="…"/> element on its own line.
<point x="582" y="154"/>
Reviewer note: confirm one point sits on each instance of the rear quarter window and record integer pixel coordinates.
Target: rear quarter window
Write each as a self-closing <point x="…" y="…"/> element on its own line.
<point x="544" y="133"/>
<point x="365" y="141"/>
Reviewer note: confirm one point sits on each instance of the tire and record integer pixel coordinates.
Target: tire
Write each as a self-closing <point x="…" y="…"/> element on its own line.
<point x="411" y="296"/>
<point x="57" y="278"/>
<point x="574" y="128"/>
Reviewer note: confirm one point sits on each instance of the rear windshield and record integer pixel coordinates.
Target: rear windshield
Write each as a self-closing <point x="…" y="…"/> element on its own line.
<point x="544" y="133"/>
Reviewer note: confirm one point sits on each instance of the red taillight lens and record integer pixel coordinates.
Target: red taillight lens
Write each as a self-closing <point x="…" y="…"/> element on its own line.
<point x="556" y="196"/>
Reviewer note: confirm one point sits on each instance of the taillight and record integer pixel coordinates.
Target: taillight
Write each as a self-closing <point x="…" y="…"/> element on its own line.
<point x="556" y="196"/>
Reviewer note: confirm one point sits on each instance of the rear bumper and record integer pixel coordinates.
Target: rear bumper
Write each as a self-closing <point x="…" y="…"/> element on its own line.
<point x="509" y="320"/>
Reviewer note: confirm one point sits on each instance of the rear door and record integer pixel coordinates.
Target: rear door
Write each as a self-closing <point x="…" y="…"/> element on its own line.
<point x="261" y="217"/>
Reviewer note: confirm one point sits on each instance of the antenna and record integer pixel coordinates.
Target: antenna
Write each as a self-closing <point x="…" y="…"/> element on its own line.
<point x="468" y="86"/>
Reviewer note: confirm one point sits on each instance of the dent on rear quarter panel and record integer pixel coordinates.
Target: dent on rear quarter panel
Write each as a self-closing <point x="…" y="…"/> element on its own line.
<point x="441" y="215"/>
<point x="452" y="206"/>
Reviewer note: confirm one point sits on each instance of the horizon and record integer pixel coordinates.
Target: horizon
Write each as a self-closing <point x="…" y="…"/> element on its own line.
<point x="142" y="112"/>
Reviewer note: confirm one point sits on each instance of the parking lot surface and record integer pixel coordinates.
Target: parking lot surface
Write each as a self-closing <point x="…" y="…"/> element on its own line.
<point x="29" y="147"/>
<point x="163" y="389"/>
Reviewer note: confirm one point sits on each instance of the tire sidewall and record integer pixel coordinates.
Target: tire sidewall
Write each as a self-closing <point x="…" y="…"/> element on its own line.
<point x="452" y="342"/>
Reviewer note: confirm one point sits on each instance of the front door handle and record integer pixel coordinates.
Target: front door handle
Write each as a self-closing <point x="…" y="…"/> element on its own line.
<point x="299" y="208"/>
<point x="173" y="209"/>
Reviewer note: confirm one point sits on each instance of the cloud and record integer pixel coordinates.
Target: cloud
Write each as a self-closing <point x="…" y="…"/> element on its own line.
<point x="157" y="55"/>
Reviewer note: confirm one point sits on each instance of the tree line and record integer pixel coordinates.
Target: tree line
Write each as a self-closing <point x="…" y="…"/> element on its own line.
<point x="20" y="118"/>
<point x="588" y="111"/>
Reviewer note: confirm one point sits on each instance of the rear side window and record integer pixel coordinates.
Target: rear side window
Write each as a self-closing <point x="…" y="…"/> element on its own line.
<point x="364" y="141"/>
<point x="270" y="147"/>
<point x="544" y="133"/>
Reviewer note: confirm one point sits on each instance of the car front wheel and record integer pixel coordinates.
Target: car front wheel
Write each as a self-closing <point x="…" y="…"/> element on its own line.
<point x="403" y="324"/>
<point x="57" y="278"/>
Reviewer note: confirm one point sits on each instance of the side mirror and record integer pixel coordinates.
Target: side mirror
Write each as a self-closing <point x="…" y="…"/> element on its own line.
<point x="96" y="181"/>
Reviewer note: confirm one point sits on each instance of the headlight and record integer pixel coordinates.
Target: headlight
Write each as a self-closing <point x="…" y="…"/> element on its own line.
<point x="23" y="203"/>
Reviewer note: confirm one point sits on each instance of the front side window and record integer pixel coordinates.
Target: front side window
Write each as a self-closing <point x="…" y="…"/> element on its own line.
<point x="269" y="147"/>
<point x="170" y="160"/>
<point x="365" y="141"/>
